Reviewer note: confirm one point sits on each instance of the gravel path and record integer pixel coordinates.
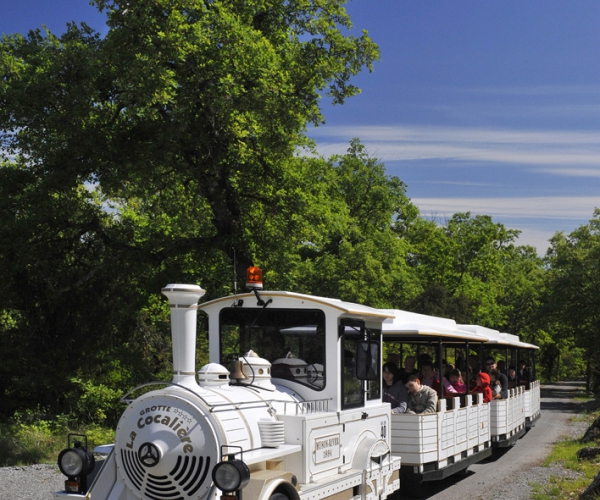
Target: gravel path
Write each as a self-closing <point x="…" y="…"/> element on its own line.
<point x="506" y="477"/>
<point x="35" y="482"/>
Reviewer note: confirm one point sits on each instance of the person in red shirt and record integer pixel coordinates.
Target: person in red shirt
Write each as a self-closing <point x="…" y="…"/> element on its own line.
<point x="483" y="386"/>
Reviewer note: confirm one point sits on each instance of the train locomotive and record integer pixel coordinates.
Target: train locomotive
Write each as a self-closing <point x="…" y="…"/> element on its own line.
<point x="288" y="408"/>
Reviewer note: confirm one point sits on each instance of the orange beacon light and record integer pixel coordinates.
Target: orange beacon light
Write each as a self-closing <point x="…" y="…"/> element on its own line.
<point x="254" y="278"/>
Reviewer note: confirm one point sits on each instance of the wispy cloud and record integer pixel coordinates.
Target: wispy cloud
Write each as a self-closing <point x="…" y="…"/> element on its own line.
<point x="571" y="172"/>
<point x="499" y="146"/>
<point x="530" y="90"/>
<point x="538" y="218"/>
<point x="539" y="207"/>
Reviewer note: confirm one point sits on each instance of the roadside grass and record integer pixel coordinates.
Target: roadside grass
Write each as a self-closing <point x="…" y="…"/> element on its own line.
<point x="564" y="455"/>
<point x="583" y="396"/>
<point x="40" y="442"/>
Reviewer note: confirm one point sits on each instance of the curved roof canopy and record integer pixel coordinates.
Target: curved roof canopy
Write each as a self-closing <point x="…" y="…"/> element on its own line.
<point x="414" y="327"/>
<point x="498" y="338"/>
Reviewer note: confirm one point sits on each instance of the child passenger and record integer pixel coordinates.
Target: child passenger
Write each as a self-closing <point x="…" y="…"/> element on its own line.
<point x="482" y="381"/>
<point x="495" y="385"/>
<point x="457" y="381"/>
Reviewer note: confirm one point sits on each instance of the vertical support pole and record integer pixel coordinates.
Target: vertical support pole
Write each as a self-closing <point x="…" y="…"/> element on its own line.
<point x="440" y="353"/>
<point x="468" y="368"/>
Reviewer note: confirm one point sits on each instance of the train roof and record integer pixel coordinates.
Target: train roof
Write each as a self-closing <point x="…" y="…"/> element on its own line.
<point x="498" y="338"/>
<point x="349" y="308"/>
<point x="421" y="327"/>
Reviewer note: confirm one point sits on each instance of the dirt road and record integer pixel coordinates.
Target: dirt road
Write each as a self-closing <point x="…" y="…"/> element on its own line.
<point x="508" y="475"/>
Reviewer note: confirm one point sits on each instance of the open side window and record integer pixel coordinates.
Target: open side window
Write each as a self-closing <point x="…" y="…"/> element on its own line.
<point x="361" y="355"/>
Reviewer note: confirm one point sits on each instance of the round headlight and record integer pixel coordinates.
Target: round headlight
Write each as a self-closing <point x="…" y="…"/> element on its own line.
<point x="231" y="475"/>
<point x="75" y="461"/>
<point x="70" y="461"/>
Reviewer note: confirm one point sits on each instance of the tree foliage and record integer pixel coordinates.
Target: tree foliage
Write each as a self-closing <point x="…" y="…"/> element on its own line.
<point x="146" y="156"/>
<point x="572" y="307"/>
<point x="173" y="149"/>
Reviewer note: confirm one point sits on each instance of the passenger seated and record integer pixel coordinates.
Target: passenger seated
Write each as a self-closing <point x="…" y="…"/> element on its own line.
<point x="457" y="381"/>
<point x="447" y="368"/>
<point x="490" y="364"/>
<point x="474" y="365"/>
<point x="496" y="385"/>
<point x="393" y="391"/>
<point x="421" y="399"/>
<point x="523" y="374"/>
<point x="425" y="358"/>
<point x="482" y="385"/>
<point x="512" y="377"/>
<point x="409" y="368"/>
<point x="501" y="366"/>
<point x="428" y="378"/>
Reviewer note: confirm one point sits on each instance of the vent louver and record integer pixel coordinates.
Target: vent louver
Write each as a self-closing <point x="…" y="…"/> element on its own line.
<point x="181" y="483"/>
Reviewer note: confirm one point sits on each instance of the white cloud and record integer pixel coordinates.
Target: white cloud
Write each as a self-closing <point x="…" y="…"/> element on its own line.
<point x="456" y="134"/>
<point x="571" y="172"/>
<point x="538" y="218"/>
<point x="536" y="238"/>
<point x="500" y="146"/>
<point x="538" y="207"/>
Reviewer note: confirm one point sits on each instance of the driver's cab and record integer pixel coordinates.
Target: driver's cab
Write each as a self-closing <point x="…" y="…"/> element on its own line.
<point x="317" y="348"/>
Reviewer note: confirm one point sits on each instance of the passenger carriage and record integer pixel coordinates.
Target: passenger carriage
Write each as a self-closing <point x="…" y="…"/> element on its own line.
<point x="510" y="417"/>
<point x="436" y="445"/>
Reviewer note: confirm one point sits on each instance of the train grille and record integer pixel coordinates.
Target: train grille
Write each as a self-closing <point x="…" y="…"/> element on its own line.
<point x="181" y="483"/>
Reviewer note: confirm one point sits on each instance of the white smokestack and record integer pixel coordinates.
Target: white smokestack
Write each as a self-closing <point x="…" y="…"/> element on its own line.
<point x="183" y="300"/>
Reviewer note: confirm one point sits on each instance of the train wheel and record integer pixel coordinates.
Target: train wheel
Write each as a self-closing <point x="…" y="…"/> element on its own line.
<point x="463" y="472"/>
<point x="415" y="488"/>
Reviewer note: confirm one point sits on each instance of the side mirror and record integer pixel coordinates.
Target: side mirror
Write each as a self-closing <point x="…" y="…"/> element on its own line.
<point x="367" y="360"/>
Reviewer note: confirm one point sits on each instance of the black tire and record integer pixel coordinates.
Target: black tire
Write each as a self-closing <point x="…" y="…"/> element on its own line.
<point x="414" y="488"/>
<point x="463" y="472"/>
<point x="278" y="496"/>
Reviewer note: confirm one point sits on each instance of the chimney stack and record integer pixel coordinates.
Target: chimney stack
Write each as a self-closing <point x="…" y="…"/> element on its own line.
<point x="183" y="300"/>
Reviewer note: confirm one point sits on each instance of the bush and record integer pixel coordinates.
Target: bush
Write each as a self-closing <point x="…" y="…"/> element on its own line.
<point x="33" y="437"/>
<point x="94" y="404"/>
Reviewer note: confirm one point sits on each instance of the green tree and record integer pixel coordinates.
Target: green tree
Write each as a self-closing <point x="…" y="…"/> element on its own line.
<point x="147" y="156"/>
<point x="358" y="256"/>
<point x="572" y="306"/>
<point x="461" y="267"/>
<point x="522" y="295"/>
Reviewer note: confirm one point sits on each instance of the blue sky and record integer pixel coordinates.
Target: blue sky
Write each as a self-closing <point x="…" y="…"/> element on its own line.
<point x="487" y="107"/>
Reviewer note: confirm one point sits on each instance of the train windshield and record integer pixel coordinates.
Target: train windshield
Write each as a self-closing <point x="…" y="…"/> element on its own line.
<point x="293" y="340"/>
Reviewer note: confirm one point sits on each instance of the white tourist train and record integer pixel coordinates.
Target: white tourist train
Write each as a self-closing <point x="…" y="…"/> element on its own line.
<point x="289" y="407"/>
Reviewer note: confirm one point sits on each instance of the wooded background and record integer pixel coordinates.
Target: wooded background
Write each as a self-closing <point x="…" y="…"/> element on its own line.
<point x="157" y="152"/>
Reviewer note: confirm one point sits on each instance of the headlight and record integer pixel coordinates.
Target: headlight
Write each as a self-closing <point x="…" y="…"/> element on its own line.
<point x="75" y="461"/>
<point x="231" y="475"/>
<point x="70" y="461"/>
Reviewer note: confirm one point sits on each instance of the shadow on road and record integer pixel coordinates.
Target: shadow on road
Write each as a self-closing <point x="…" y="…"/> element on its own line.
<point x="561" y="406"/>
<point x="559" y="397"/>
